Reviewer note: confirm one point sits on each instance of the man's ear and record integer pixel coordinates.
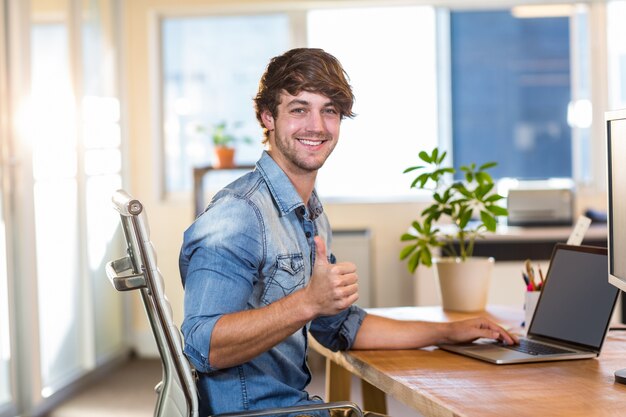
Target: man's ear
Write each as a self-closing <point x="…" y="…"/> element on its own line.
<point x="268" y="120"/>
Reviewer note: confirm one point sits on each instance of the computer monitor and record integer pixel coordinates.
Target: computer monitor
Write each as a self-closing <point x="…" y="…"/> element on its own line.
<point x="616" y="175"/>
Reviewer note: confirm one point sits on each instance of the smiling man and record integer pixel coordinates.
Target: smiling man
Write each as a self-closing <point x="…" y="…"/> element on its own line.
<point x="258" y="274"/>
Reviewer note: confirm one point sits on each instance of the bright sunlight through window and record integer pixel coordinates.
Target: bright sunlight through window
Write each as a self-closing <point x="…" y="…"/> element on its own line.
<point x="390" y="57"/>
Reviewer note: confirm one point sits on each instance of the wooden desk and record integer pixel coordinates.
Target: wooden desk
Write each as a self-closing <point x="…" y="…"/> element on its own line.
<point x="438" y="383"/>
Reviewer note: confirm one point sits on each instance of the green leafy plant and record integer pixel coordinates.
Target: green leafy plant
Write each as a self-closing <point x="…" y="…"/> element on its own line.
<point x="459" y="201"/>
<point x="223" y="136"/>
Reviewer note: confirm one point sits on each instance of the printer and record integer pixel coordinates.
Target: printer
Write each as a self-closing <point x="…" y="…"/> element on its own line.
<point x="540" y="203"/>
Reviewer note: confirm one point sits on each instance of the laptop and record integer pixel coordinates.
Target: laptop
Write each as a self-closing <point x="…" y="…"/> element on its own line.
<point x="572" y="315"/>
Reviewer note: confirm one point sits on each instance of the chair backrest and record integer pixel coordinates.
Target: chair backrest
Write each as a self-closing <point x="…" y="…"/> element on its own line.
<point x="177" y="394"/>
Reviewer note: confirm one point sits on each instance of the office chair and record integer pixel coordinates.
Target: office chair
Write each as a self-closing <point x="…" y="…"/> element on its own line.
<point x="177" y="393"/>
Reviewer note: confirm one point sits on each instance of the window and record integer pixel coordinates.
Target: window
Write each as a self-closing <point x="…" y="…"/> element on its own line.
<point x="5" y="335"/>
<point x="396" y="96"/>
<point x="484" y="84"/>
<point x="616" y="31"/>
<point x="101" y="166"/>
<point x="511" y="87"/>
<point x="59" y="301"/>
<point x="6" y="395"/>
<point x="54" y="166"/>
<point x="212" y="66"/>
<point x="580" y="109"/>
<point x="211" y="70"/>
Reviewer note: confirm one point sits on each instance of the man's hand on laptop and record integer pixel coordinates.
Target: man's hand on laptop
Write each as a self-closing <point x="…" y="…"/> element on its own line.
<point x="476" y="328"/>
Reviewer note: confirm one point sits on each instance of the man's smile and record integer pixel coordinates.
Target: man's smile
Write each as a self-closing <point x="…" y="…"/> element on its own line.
<point x="310" y="142"/>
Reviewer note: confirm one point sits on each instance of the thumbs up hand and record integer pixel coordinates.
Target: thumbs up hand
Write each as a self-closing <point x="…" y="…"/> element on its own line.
<point x="333" y="287"/>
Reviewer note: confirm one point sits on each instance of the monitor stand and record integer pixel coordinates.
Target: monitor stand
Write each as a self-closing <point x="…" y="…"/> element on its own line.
<point x="620" y="376"/>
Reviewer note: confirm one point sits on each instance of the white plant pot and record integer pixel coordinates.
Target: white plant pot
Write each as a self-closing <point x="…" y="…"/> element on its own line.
<point x="464" y="285"/>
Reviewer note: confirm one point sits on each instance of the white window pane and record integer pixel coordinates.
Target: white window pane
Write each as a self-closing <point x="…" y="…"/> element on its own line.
<point x="101" y="118"/>
<point x="103" y="161"/>
<point x="212" y="67"/>
<point x="101" y="135"/>
<point x="50" y="161"/>
<point x="391" y="61"/>
<point x="53" y="115"/>
<point x="102" y="220"/>
<point x="616" y="33"/>
<point x="5" y="345"/>
<point x="58" y="281"/>
<point x="55" y="193"/>
<point x="580" y="110"/>
<point x="102" y="245"/>
<point x="5" y="331"/>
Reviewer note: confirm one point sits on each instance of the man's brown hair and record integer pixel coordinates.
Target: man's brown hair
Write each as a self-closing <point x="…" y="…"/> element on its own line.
<point x="303" y="69"/>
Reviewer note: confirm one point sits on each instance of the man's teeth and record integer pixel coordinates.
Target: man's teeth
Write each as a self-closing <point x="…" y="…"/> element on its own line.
<point x="310" y="142"/>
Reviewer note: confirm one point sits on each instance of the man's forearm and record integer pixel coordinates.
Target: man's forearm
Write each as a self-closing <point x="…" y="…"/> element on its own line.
<point x="383" y="333"/>
<point x="378" y="332"/>
<point x="240" y="337"/>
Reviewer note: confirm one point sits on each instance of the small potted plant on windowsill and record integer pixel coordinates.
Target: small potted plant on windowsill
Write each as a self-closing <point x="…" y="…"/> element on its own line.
<point x="463" y="279"/>
<point x="224" y="142"/>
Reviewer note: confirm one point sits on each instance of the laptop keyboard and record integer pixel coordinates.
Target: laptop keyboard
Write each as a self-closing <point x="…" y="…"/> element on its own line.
<point x="534" y="348"/>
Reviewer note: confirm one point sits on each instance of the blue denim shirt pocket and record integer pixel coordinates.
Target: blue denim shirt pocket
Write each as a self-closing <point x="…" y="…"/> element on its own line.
<point x="287" y="277"/>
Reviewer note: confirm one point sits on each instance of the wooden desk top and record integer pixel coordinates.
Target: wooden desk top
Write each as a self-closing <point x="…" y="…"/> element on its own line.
<point x="439" y="383"/>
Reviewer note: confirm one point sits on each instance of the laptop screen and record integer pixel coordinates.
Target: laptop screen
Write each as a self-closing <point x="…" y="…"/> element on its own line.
<point x="577" y="274"/>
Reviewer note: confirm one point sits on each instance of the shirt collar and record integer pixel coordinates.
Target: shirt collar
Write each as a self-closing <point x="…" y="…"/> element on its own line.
<point x="284" y="193"/>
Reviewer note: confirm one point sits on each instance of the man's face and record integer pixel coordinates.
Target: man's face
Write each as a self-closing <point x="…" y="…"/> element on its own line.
<point x="304" y="132"/>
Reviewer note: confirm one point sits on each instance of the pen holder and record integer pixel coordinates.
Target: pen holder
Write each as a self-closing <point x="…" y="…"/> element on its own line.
<point x="530" y="302"/>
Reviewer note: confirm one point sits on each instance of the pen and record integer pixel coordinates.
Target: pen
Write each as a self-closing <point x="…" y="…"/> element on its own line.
<point x="530" y="271"/>
<point x="531" y="274"/>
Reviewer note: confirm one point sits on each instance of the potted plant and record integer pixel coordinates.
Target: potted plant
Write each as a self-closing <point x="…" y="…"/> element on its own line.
<point x="471" y="207"/>
<point x="224" y="141"/>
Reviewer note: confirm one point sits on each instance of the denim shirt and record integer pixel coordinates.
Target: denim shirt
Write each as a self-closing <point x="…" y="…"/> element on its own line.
<point x="252" y="246"/>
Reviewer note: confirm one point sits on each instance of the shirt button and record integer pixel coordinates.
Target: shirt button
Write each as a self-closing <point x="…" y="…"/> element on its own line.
<point x="308" y="234"/>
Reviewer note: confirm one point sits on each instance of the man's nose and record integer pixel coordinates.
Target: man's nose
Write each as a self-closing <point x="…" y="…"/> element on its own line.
<point x="316" y="122"/>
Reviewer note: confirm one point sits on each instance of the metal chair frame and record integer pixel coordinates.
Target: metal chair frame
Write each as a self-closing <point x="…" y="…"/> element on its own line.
<point x="138" y="270"/>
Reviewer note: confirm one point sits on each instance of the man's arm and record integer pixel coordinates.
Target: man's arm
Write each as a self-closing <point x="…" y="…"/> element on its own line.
<point x="241" y="336"/>
<point x="378" y="332"/>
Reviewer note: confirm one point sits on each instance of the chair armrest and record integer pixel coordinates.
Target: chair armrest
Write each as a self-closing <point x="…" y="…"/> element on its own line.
<point x="296" y="409"/>
<point x="124" y="282"/>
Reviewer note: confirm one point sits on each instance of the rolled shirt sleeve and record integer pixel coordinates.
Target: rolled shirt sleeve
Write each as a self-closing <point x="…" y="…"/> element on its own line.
<point x="339" y="331"/>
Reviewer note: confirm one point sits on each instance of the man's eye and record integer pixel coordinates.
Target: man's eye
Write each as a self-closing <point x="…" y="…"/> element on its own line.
<point x="331" y="111"/>
<point x="298" y="110"/>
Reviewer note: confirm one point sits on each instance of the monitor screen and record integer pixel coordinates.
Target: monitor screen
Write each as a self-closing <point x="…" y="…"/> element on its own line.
<point x="616" y="147"/>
